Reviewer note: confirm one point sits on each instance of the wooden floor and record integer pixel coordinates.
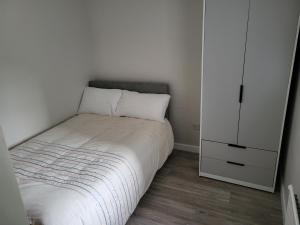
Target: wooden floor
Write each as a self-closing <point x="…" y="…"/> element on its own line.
<point x="179" y="196"/>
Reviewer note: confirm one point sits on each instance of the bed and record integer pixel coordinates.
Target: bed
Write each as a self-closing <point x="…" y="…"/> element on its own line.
<point x="91" y="169"/>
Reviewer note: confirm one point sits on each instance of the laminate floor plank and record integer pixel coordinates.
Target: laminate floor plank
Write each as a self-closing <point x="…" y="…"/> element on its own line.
<point x="178" y="196"/>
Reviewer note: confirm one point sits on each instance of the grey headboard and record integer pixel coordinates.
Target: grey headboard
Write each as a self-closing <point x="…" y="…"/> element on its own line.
<point x="142" y="87"/>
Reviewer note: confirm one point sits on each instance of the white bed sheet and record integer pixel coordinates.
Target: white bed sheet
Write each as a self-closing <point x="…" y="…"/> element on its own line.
<point x="91" y="169"/>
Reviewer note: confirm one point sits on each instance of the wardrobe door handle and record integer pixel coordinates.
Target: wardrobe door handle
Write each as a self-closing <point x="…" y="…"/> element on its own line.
<point x="237" y="146"/>
<point x="241" y="93"/>
<point x="235" y="163"/>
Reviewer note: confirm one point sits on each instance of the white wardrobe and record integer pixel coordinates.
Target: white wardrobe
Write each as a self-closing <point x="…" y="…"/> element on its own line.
<point x="248" y="52"/>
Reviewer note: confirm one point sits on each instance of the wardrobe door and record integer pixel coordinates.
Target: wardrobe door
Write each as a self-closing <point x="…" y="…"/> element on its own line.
<point x="269" y="51"/>
<point x="225" y="26"/>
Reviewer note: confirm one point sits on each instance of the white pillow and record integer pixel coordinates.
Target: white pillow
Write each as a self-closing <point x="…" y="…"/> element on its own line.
<point x="100" y="101"/>
<point x="143" y="106"/>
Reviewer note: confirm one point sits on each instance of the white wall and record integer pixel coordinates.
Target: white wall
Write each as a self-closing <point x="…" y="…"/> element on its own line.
<point x="44" y="63"/>
<point x="153" y="40"/>
<point x="46" y="54"/>
<point x="291" y="145"/>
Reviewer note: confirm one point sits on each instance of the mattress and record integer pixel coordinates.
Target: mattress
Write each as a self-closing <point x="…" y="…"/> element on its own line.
<point x="90" y="169"/>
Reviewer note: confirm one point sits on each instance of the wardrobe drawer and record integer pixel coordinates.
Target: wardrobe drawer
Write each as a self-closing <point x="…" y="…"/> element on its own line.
<point x="246" y="173"/>
<point x="247" y="156"/>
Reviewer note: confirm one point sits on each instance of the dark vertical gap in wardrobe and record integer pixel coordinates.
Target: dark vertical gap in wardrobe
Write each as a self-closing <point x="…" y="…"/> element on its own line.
<point x="242" y="82"/>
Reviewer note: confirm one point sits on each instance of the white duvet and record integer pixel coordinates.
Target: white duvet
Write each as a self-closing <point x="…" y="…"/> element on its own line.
<point x="90" y="170"/>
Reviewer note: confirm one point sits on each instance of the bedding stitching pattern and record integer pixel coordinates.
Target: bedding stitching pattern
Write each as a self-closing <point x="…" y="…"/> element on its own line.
<point x="66" y="167"/>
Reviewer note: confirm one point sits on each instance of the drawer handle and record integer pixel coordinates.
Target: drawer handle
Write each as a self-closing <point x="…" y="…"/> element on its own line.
<point x="234" y="163"/>
<point x="237" y="146"/>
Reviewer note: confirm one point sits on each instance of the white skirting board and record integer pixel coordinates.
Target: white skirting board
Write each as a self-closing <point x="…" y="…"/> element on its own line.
<point x="186" y="148"/>
<point x="289" y="207"/>
<point x="283" y="202"/>
<point x="291" y="216"/>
